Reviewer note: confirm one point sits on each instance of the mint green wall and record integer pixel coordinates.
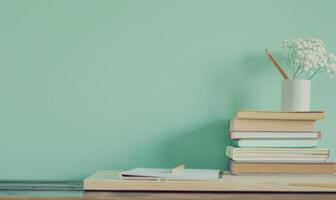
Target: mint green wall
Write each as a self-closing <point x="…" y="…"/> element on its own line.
<point x="106" y="84"/>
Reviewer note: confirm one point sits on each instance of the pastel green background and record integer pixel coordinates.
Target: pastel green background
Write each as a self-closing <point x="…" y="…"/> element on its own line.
<point x="106" y="84"/>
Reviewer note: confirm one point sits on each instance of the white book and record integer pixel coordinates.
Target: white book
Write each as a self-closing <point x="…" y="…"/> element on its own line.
<point x="185" y="174"/>
<point x="275" y="134"/>
<point x="274" y="143"/>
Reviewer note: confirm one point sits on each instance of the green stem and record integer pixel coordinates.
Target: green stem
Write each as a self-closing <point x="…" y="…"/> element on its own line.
<point x="317" y="71"/>
<point x="296" y="72"/>
<point x="300" y="72"/>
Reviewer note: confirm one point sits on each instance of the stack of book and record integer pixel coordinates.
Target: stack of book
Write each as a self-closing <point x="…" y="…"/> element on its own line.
<point x="277" y="143"/>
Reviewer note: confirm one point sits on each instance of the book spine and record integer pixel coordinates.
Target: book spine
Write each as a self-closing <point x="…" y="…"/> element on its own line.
<point x="229" y="152"/>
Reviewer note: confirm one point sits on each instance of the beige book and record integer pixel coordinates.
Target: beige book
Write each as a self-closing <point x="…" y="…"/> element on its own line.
<point x="271" y="125"/>
<point x="244" y="168"/>
<point x="253" y="114"/>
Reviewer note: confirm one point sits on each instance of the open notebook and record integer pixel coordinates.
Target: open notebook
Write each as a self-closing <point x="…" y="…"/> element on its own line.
<point x="183" y="174"/>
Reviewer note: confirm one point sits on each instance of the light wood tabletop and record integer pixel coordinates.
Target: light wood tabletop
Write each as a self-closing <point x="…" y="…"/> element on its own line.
<point x="73" y="190"/>
<point x="78" y="195"/>
<point x="106" y="180"/>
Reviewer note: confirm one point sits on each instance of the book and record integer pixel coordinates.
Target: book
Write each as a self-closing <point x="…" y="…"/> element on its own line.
<point x="289" y="143"/>
<point x="185" y="174"/>
<point x="254" y="114"/>
<point x="242" y="168"/>
<point x="271" y="125"/>
<point x="278" y="154"/>
<point x="274" y="134"/>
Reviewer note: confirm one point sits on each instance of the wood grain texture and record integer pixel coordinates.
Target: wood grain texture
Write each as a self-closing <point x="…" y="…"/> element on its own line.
<point x="109" y="180"/>
<point x="35" y="195"/>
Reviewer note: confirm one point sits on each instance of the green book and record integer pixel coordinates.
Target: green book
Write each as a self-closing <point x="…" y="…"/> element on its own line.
<point x="286" y="143"/>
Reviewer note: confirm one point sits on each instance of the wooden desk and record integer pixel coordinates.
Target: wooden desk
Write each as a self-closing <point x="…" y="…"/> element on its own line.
<point x="106" y="180"/>
<point x="80" y="195"/>
<point x="72" y="190"/>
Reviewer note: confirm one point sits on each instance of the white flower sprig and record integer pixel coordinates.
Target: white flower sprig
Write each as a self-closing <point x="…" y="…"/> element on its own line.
<point x="308" y="57"/>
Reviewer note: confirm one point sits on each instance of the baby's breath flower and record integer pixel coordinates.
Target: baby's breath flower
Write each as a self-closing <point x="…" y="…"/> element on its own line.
<point x="309" y="56"/>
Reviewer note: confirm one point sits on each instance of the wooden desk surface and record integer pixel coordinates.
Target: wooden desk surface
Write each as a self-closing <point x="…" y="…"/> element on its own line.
<point x="107" y="180"/>
<point x="73" y="190"/>
<point x="80" y="195"/>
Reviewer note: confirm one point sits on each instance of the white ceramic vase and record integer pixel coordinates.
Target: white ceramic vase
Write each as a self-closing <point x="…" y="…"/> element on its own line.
<point x="295" y="95"/>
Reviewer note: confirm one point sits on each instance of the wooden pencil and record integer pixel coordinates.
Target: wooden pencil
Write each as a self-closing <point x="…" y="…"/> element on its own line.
<point x="277" y="65"/>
